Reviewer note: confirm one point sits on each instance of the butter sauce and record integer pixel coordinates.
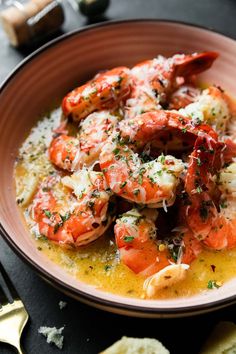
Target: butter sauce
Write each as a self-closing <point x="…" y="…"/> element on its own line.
<point x="98" y="263"/>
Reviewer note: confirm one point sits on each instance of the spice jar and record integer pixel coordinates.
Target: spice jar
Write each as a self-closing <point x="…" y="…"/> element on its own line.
<point x="23" y="22"/>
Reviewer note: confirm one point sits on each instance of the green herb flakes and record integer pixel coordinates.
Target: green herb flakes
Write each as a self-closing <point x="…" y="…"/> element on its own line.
<point x="213" y="284"/>
<point x="123" y="184"/>
<point x="128" y="239"/>
<point x="47" y="213"/>
<point x="107" y="267"/>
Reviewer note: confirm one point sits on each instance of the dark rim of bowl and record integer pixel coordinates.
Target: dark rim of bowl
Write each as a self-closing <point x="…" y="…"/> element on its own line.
<point x="84" y="296"/>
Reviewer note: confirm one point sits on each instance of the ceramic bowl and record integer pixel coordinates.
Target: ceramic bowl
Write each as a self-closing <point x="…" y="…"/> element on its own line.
<point x="46" y="76"/>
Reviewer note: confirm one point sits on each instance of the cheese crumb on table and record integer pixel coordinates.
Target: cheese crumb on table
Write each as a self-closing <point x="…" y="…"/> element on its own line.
<point x="62" y="304"/>
<point x="53" y="335"/>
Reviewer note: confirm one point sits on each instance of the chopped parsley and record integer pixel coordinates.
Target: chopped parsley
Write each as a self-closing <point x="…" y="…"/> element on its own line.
<point x="63" y="219"/>
<point x="181" y="119"/>
<point x="175" y="247"/>
<point x="81" y="194"/>
<point x="199" y="162"/>
<point x="174" y="252"/>
<point x="223" y="205"/>
<point x="47" y="213"/>
<point x="140" y="179"/>
<point x="159" y="173"/>
<point x="199" y="189"/>
<point x="162" y="159"/>
<point x="213" y="112"/>
<point x="107" y="267"/>
<point x="66" y="216"/>
<point x="120" y="79"/>
<point x="152" y="180"/>
<point x="212" y="284"/>
<point x="116" y="151"/>
<point x="128" y="238"/>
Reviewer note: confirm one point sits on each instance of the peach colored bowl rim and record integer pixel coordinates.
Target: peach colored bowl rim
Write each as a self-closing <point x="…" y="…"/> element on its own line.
<point x="74" y="292"/>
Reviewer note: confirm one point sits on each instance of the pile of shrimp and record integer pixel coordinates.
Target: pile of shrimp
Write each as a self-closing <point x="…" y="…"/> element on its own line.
<point x="150" y="148"/>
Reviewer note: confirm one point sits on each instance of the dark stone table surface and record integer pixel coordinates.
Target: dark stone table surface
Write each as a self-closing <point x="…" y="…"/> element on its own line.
<point x="88" y="330"/>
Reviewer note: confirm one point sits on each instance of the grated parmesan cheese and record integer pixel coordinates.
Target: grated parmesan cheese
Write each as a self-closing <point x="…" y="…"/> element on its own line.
<point x="53" y="335"/>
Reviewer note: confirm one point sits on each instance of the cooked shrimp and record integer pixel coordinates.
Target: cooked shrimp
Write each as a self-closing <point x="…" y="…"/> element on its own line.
<point x="136" y="240"/>
<point x="153" y="183"/>
<point x="105" y="91"/>
<point x="223" y="225"/>
<point x="153" y="80"/>
<point x="184" y="253"/>
<point x="72" y="153"/>
<point x="144" y="254"/>
<point x="199" y="208"/>
<point x="63" y="151"/>
<point x="212" y="107"/>
<point x="72" y="218"/>
<point x="161" y="127"/>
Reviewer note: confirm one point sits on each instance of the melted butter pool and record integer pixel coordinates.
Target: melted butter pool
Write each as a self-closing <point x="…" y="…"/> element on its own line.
<point x="98" y="265"/>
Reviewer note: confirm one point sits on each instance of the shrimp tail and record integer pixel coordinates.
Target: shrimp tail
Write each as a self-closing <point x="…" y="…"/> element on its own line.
<point x="194" y="64"/>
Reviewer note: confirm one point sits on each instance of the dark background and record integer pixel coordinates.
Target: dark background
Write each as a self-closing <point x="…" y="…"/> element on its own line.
<point x="87" y="330"/>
